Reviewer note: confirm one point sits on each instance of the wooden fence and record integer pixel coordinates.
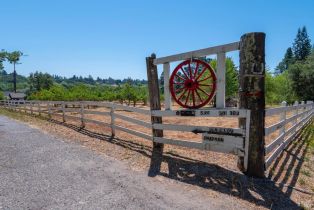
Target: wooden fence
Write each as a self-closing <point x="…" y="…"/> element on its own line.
<point x="219" y="139"/>
<point x="288" y="127"/>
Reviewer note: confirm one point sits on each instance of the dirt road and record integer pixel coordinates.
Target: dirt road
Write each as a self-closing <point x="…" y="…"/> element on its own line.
<point x="40" y="171"/>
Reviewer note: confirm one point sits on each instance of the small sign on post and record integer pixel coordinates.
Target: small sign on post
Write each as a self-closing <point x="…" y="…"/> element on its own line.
<point x="223" y="143"/>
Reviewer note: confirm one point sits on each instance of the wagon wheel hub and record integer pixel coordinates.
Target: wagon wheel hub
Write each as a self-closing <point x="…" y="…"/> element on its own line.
<point x="191" y="84"/>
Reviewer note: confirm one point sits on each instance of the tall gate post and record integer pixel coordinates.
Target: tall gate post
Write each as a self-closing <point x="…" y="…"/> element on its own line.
<point x="154" y="98"/>
<point x="252" y="96"/>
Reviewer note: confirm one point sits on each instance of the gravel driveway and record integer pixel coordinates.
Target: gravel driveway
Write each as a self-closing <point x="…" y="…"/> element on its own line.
<point x="40" y="171"/>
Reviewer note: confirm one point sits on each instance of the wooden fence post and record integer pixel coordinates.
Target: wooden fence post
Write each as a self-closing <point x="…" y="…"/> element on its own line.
<point x="252" y="96"/>
<point x="154" y="98"/>
<point x="283" y="117"/>
<point x="302" y="115"/>
<point x="39" y="108"/>
<point x="113" y="130"/>
<point x="63" y="111"/>
<point x="296" y="112"/>
<point x="49" y="109"/>
<point x="31" y="106"/>
<point x="82" y="114"/>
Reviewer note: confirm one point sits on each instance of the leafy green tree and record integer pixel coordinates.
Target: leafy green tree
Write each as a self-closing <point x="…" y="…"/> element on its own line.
<point x="143" y="94"/>
<point x="302" y="45"/>
<point x="278" y="88"/>
<point x="39" y="81"/>
<point x="286" y="61"/>
<point x="162" y="82"/>
<point x="1" y="95"/>
<point x="232" y="84"/>
<point x="3" y="55"/>
<point x="14" y="58"/>
<point x="302" y="77"/>
<point x="128" y="93"/>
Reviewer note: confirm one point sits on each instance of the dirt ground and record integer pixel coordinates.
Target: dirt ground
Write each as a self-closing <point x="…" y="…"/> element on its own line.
<point x="289" y="185"/>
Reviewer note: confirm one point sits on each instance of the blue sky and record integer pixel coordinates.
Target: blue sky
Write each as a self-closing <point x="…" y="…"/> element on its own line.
<point x="112" y="38"/>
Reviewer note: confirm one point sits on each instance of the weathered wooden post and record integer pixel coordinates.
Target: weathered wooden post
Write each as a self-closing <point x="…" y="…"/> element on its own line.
<point x="63" y="111"/>
<point x="154" y="99"/>
<point x="302" y="115"/>
<point x="39" y="108"/>
<point x="82" y="114"/>
<point x="112" y="123"/>
<point x="49" y="109"/>
<point x="252" y="96"/>
<point x="31" y="104"/>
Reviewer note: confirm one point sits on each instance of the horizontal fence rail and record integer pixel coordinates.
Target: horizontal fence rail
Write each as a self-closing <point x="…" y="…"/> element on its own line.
<point x="300" y="116"/>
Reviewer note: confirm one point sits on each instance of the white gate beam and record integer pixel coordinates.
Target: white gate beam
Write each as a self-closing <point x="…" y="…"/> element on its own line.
<point x="221" y="80"/>
<point x="166" y="70"/>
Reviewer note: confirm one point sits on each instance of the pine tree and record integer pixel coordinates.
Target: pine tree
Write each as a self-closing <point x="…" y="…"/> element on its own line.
<point x="286" y="62"/>
<point x="302" y="45"/>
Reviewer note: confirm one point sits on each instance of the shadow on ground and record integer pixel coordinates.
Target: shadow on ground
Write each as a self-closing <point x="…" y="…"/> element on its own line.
<point x="262" y="192"/>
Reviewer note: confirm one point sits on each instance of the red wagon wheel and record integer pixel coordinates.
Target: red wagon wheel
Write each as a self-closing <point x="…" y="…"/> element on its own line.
<point x="193" y="83"/>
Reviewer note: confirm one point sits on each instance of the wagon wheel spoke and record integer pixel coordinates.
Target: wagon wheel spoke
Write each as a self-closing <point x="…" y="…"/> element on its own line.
<point x="180" y="89"/>
<point x="185" y="73"/>
<point x="205" y="79"/>
<point x="187" y="98"/>
<point x="202" y="72"/>
<point x="178" y="83"/>
<point x="177" y="75"/>
<point x="182" y="94"/>
<point x="203" y="91"/>
<point x="195" y="72"/>
<point x="198" y="95"/>
<point x="193" y="97"/>
<point x="190" y="71"/>
<point x="210" y="85"/>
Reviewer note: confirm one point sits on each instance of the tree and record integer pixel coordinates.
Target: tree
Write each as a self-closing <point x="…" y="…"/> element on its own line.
<point x="14" y="58"/>
<point x="3" y="55"/>
<point x="39" y="81"/>
<point x="128" y="93"/>
<point x="286" y="61"/>
<point x="302" y="77"/>
<point x="302" y="45"/>
<point x="232" y="84"/>
<point x="278" y="88"/>
<point x="162" y="82"/>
